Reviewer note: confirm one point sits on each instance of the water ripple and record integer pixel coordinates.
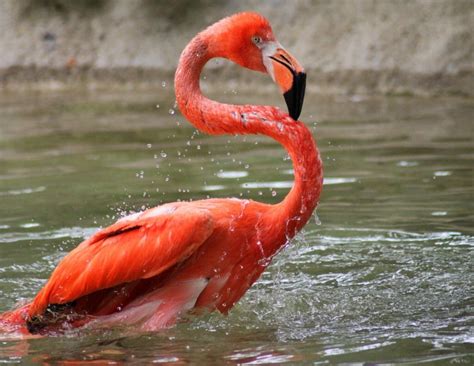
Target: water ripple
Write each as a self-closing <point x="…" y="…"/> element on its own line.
<point x="16" y="192"/>
<point x="71" y="232"/>
<point x="253" y="185"/>
<point x="232" y="174"/>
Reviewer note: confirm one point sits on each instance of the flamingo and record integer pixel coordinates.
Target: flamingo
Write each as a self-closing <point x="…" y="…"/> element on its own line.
<point x="150" y="268"/>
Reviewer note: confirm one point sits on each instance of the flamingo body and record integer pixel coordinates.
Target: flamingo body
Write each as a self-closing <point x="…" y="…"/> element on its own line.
<point x="151" y="267"/>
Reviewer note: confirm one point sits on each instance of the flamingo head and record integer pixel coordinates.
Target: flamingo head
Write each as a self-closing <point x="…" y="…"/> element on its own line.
<point x="247" y="39"/>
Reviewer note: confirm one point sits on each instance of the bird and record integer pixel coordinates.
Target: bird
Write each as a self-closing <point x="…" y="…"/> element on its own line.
<point x="151" y="268"/>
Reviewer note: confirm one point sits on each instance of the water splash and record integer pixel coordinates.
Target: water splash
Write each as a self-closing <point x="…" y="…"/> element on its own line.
<point x="316" y="219"/>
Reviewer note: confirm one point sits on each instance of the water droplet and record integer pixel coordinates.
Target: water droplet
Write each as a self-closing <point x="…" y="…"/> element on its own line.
<point x="148" y="146"/>
<point x="163" y="84"/>
<point x="157" y="106"/>
<point x="171" y="111"/>
<point x="274" y="193"/>
<point x="163" y="154"/>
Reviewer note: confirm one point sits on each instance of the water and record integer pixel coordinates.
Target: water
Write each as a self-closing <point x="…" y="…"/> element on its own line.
<point x="385" y="277"/>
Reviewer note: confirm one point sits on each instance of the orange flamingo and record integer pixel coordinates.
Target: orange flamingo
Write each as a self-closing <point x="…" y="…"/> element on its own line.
<point x="149" y="268"/>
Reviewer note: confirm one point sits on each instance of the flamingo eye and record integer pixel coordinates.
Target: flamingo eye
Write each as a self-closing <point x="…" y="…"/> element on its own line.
<point x="257" y="40"/>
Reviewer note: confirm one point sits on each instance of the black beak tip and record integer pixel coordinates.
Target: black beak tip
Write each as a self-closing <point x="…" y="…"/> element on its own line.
<point x="294" y="97"/>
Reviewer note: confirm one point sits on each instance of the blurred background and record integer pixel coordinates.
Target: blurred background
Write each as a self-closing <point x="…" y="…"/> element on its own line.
<point x="389" y="47"/>
<point x="90" y="132"/>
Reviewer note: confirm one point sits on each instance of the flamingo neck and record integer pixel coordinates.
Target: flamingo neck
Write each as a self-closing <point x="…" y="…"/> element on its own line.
<point x="218" y="118"/>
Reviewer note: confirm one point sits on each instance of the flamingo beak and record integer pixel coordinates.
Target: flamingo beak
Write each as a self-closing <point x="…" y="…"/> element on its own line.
<point x="287" y="72"/>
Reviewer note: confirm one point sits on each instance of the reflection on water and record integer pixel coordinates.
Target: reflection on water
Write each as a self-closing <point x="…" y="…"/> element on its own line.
<point x="385" y="278"/>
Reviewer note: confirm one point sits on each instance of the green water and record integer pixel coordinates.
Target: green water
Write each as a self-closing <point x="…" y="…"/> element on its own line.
<point x="386" y="277"/>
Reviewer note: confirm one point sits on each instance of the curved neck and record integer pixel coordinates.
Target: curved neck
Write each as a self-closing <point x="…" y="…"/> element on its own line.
<point x="217" y="118"/>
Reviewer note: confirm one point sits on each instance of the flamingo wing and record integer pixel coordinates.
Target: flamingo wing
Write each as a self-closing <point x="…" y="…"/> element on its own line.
<point x="128" y="250"/>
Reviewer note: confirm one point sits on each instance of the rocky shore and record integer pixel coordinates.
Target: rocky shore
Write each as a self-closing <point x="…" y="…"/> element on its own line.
<point x="422" y="47"/>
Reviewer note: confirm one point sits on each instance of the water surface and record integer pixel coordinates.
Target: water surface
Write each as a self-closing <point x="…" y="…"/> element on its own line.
<point x="383" y="273"/>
